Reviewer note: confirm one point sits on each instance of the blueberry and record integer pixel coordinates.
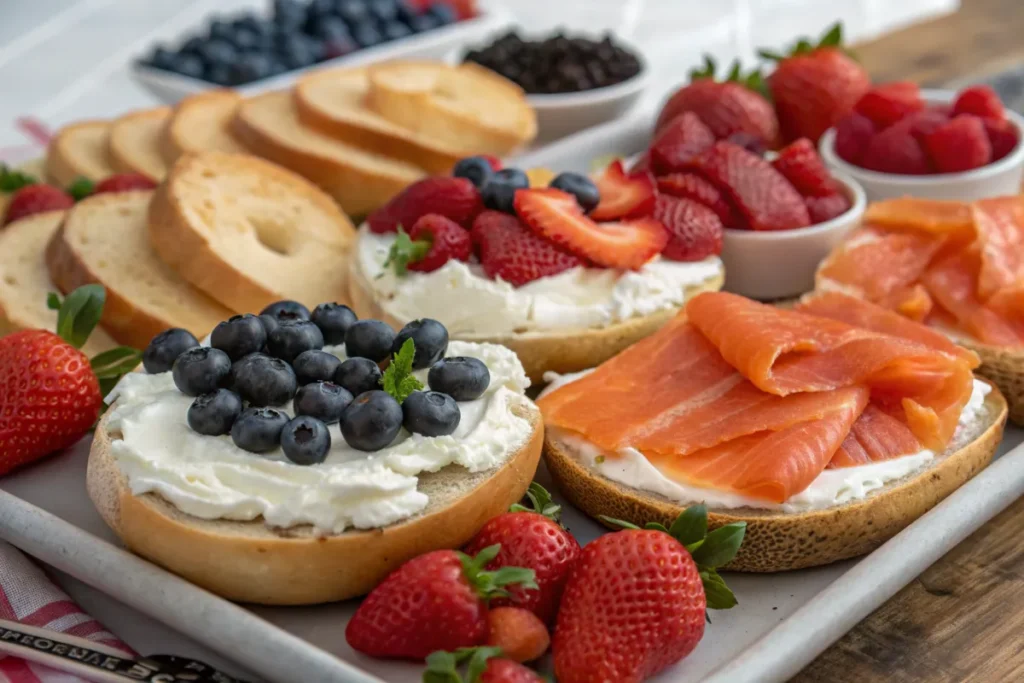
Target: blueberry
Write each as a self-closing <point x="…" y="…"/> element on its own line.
<point x="499" y="192"/>
<point x="239" y="336"/>
<point x="314" y="365"/>
<point x="358" y="375"/>
<point x="421" y="23"/>
<point x="443" y="13"/>
<point x="213" y="414"/>
<point x="289" y="14"/>
<point x="263" y="381"/>
<point x="476" y="169"/>
<point x="249" y="22"/>
<point x="430" y="413"/>
<point x="252" y="66"/>
<point x="292" y="337"/>
<point x="394" y="30"/>
<point x="245" y="40"/>
<point x="189" y="65"/>
<point x="430" y="337"/>
<point x="333" y="321"/>
<point x="200" y="370"/>
<point x="340" y="47"/>
<point x="332" y="28"/>
<point x="217" y="52"/>
<point x="192" y="45"/>
<point x="579" y="186"/>
<point x="371" y="339"/>
<point x="258" y="430"/>
<point x="286" y="310"/>
<point x="305" y="440"/>
<point x="300" y="52"/>
<point x="319" y="9"/>
<point x="462" y="378"/>
<point x="383" y="10"/>
<point x="165" y="348"/>
<point x="161" y="58"/>
<point x="407" y="13"/>
<point x="352" y="11"/>
<point x="371" y="421"/>
<point x="221" y="29"/>
<point x="323" y="400"/>
<point x="366" y="34"/>
<point x="221" y="74"/>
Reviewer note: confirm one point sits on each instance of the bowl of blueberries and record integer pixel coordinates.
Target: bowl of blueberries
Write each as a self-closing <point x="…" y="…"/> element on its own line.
<point x="254" y="52"/>
<point x="572" y="80"/>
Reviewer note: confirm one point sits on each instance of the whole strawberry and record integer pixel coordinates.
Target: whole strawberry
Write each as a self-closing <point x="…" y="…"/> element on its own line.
<point x="437" y="601"/>
<point x="734" y="105"/>
<point x="50" y="392"/>
<point x="38" y="198"/>
<point x="533" y="539"/>
<point x="484" y="665"/>
<point x="635" y="601"/>
<point x="454" y="198"/>
<point x="509" y="250"/>
<point x="433" y="241"/>
<point x="123" y="182"/>
<point x="813" y="86"/>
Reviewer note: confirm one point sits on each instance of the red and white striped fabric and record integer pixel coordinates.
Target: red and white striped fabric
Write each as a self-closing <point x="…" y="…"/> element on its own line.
<point x="28" y="596"/>
<point x="37" y="137"/>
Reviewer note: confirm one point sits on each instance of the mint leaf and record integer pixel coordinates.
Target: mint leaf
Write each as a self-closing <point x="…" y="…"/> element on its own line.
<point x="398" y="379"/>
<point x="720" y="545"/>
<point x="617" y="523"/>
<point x="719" y="596"/>
<point x="53" y="301"/>
<point x="115" y="362"/>
<point x="80" y="313"/>
<point x="691" y="526"/>
<point x="405" y="251"/>
<point x="81" y="188"/>
<point x="12" y="180"/>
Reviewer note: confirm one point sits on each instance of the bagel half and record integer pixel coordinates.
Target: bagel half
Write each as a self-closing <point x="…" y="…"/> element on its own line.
<point x="251" y="562"/>
<point x="135" y="141"/>
<point x="777" y="541"/>
<point x="201" y="123"/>
<point x="77" y="151"/>
<point x="1004" y="366"/>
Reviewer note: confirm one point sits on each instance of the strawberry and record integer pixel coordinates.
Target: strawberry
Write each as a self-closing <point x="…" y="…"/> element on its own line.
<point x="50" y="392"/>
<point x="695" y="231"/>
<point x="959" y="145"/>
<point x="508" y="250"/>
<point x="815" y="85"/>
<point x="494" y="161"/>
<point x="453" y="198"/>
<point x="38" y="198"/>
<point x="979" y="100"/>
<point x="623" y="196"/>
<point x="800" y="164"/>
<point x="123" y="182"/>
<point x="533" y="539"/>
<point x="748" y="142"/>
<point x="692" y="186"/>
<point x="853" y="134"/>
<point x="635" y="601"/>
<point x="437" y="601"/>
<point x="826" y="208"/>
<point x="888" y="103"/>
<point x="1002" y="135"/>
<point x="557" y="216"/>
<point x="896" y="150"/>
<point x="765" y="198"/>
<point x="923" y="122"/>
<point x="485" y="665"/>
<point x="735" y="105"/>
<point x="433" y="241"/>
<point x="642" y="164"/>
<point x="520" y="634"/>
<point x="675" y="145"/>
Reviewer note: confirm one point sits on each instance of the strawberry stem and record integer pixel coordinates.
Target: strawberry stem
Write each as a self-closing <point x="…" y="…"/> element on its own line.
<point x="12" y="180"/>
<point x="443" y="667"/>
<point x="81" y="188"/>
<point x="492" y="584"/>
<point x="540" y="502"/>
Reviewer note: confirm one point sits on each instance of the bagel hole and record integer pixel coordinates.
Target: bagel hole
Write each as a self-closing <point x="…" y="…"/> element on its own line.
<point x="272" y="235"/>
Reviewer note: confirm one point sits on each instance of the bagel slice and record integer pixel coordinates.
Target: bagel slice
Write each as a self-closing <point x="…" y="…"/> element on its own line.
<point x="201" y="123"/>
<point x="1004" y="366"/>
<point x="135" y="143"/>
<point x="249" y="232"/>
<point x="77" y="151"/>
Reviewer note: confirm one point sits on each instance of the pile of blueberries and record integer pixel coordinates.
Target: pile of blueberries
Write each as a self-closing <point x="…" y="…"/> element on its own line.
<point x="255" y="364"/>
<point x="297" y="34"/>
<point x="498" y="188"/>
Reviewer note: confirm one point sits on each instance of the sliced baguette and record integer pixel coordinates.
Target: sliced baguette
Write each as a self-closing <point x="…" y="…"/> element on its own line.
<point x="360" y="181"/>
<point x="201" y="123"/>
<point x="104" y="240"/>
<point x="777" y="541"/>
<point x="249" y="232"/>
<point x="332" y="102"/>
<point x="25" y="281"/>
<point x="467" y="106"/>
<point x="135" y="142"/>
<point x="251" y="562"/>
<point x="79" y="151"/>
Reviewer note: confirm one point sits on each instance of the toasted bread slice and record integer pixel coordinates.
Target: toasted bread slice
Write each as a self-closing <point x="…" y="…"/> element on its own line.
<point x="79" y="151"/>
<point x="332" y="102"/>
<point x="25" y="281"/>
<point x="251" y="562"/>
<point x="780" y="541"/>
<point x="467" y="106"/>
<point x="360" y="181"/>
<point x="104" y="239"/>
<point x="135" y="142"/>
<point x="249" y="232"/>
<point x="201" y="123"/>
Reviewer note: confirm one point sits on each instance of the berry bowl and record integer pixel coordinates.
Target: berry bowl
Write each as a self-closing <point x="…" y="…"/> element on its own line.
<point x="779" y="264"/>
<point x="999" y="178"/>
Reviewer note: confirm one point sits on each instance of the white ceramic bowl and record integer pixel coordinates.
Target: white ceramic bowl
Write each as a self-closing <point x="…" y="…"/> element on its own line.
<point x="997" y="179"/>
<point x="779" y="264"/>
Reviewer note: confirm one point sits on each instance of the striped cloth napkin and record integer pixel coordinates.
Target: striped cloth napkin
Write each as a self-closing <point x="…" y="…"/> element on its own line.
<point x="28" y="596"/>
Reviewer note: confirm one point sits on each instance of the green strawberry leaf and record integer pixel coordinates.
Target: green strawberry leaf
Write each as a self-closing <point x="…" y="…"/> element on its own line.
<point x="770" y="55"/>
<point x="720" y="546"/>
<point x="441" y="668"/>
<point x="620" y="523"/>
<point x="540" y="501"/>
<point x="735" y="71"/>
<point x="115" y="362"/>
<point x="81" y="188"/>
<point x="405" y="251"/>
<point x="478" y="661"/>
<point x="80" y="313"/>
<point x="53" y="301"/>
<point x="691" y="526"/>
<point x="833" y="37"/>
<point x="12" y="180"/>
<point x="492" y="584"/>
<point x="706" y="71"/>
<point x="803" y="46"/>
<point x="398" y="379"/>
<point x="718" y="595"/>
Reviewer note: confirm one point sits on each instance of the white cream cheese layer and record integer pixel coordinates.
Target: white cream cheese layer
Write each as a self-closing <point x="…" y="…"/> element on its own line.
<point x="831" y="487"/>
<point x="211" y="478"/>
<point x="468" y="302"/>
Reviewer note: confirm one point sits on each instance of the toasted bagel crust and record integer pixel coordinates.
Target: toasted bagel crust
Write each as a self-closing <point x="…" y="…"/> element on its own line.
<point x="1004" y="365"/>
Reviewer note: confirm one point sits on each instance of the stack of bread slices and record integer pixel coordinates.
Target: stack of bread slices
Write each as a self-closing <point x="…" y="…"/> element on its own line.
<point x="362" y="135"/>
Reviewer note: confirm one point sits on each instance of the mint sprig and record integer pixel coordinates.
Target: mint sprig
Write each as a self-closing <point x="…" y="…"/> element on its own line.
<point x="404" y="251"/>
<point x="398" y="379"/>
<point x="540" y="502"/>
<point x="12" y="180"/>
<point x="81" y="188"/>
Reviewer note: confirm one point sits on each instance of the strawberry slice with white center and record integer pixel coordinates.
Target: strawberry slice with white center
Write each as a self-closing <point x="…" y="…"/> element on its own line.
<point x="622" y="195"/>
<point x="557" y="216"/>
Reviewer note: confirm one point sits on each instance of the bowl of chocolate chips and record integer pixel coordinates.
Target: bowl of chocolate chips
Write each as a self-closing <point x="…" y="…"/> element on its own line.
<point x="572" y="80"/>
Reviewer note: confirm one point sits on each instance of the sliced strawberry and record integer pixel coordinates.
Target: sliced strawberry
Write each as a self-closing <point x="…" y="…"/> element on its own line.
<point x="678" y="143"/>
<point x="1002" y="135"/>
<point x="888" y="103"/>
<point x="853" y="133"/>
<point x="557" y="216"/>
<point x="508" y="250"/>
<point x="800" y="164"/>
<point x="695" y="232"/>
<point x="453" y="198"/>
<point x="692" y="186"/>
<point x="980" y="100"/>
<point x="623" y="196"/>
<point x="642" y="164"/>
<point x="826" y="208"/>
<point x="37" y="198"/>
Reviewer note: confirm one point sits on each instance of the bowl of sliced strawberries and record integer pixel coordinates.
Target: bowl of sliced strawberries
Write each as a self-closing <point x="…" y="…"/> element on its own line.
<point x="935" y="144"/>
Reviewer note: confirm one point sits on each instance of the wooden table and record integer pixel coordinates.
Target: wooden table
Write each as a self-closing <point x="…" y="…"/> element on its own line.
<point x="962" y="619"/>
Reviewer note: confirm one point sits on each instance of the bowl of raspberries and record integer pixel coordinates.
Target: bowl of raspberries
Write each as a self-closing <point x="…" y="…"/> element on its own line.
<point x="902" y="141"/>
